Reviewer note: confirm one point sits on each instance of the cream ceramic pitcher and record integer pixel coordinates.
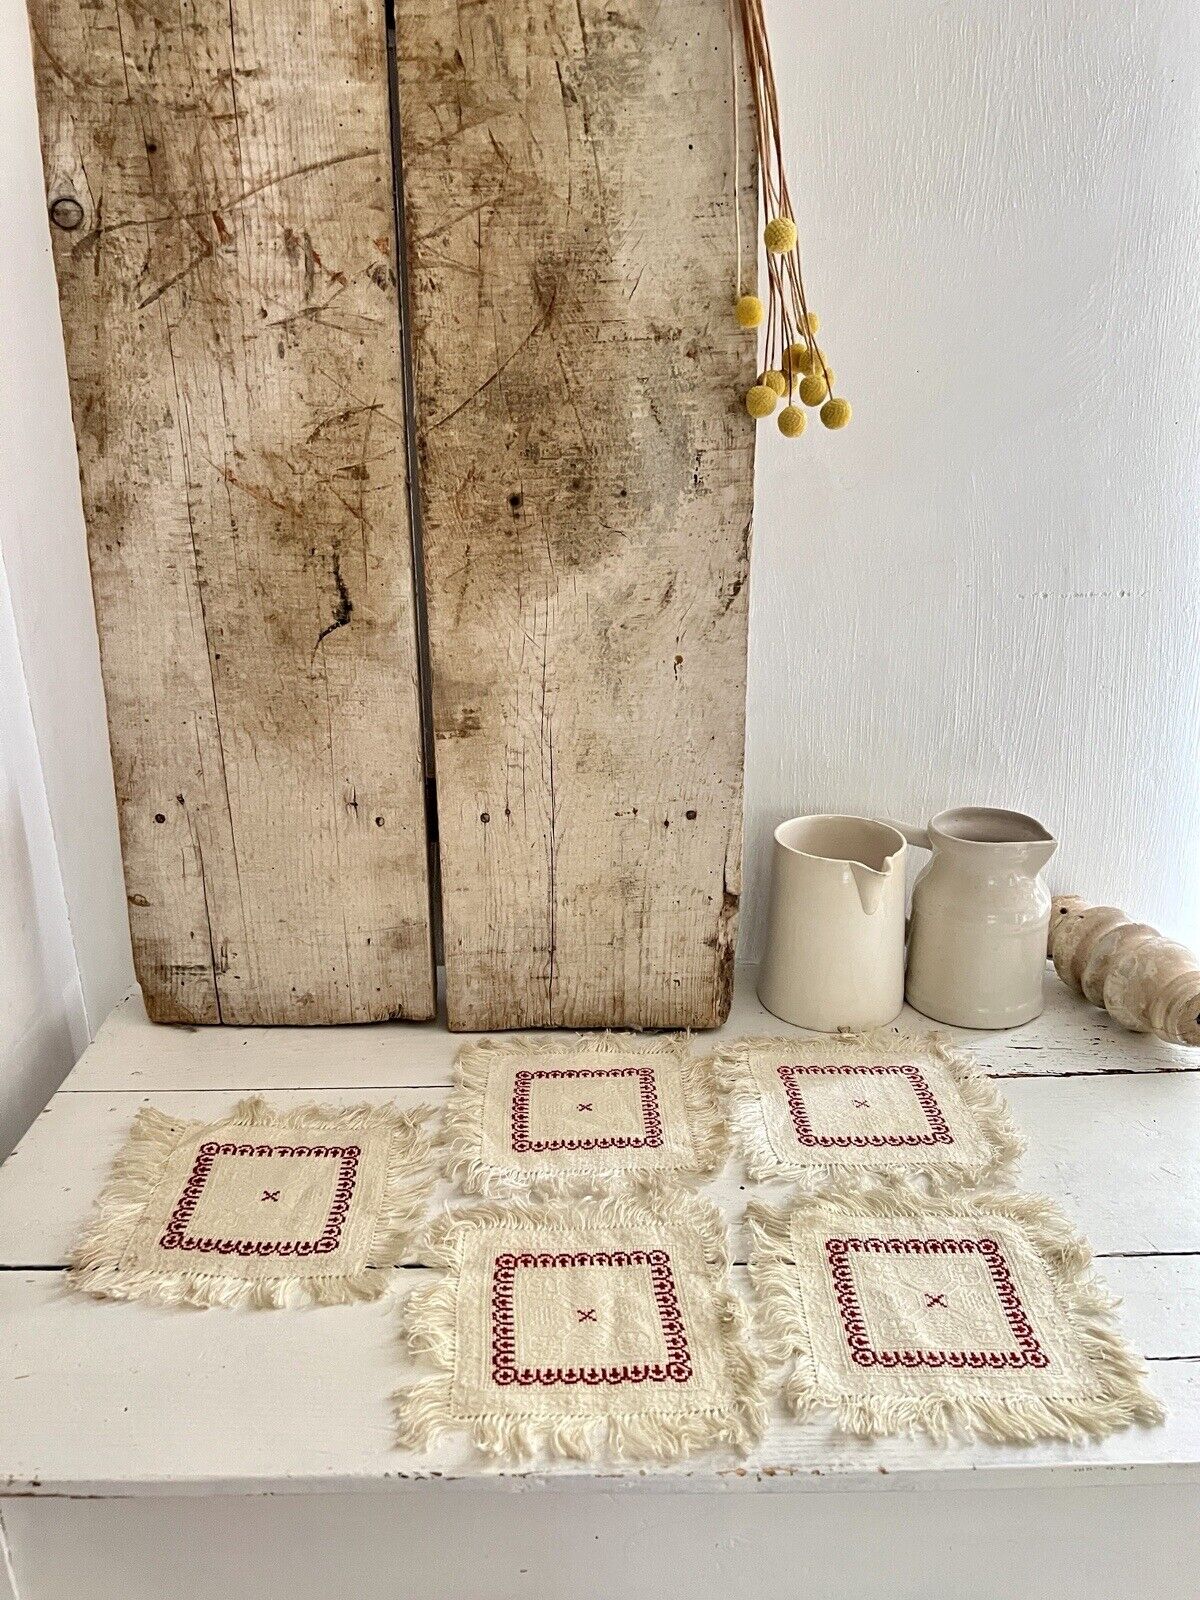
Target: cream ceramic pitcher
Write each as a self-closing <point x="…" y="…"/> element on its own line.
<point x="977" y="936"/>
<point x="835" y="924"/>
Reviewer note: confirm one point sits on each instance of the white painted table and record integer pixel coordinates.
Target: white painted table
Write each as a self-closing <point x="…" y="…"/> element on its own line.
<point x="182" y="1454"/>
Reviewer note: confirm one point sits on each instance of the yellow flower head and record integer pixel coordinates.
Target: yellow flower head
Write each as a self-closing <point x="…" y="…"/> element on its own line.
<point x="835" y="413"/>
<point x="814" y="388"/>
<point x="748" y="309"/>
<point x="772" y="379"/>
<point x="792" y="422"/>
<point x="800" y="358"/>
<point x="760" y="401"/>
<point x="779" y="235"/>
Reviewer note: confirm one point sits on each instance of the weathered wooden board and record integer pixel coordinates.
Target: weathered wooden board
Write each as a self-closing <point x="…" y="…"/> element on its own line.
<point x="219" y="179"/>
<point x="586" y="475"/>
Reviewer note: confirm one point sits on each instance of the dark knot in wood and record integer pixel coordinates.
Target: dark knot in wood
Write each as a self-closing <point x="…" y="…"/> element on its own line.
<point x="66" y="213"/>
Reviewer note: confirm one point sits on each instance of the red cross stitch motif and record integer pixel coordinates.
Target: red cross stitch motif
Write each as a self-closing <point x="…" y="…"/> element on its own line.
<point x="839" y="1254"/>
<point x="586" y="1316"/>
<point x="677" y="1368"/>
<point x="175" y="1235"/>
<point x="584" y="1105"/>
<point x="862" y="1104"/>
<point x="792" y="1076"/>
<point x="650" y="1139"/>
<point x="936" y="1300"/>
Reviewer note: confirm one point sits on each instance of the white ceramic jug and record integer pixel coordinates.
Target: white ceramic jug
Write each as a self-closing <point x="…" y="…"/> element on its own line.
<point x="835" y="924"/>
<point x="977" y="936"/>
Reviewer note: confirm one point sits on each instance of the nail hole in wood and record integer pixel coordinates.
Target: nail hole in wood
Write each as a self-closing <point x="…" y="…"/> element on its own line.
<point x="66" y="213"/>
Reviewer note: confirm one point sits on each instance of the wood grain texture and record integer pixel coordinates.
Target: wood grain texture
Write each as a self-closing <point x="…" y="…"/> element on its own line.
<point x="586" y="473"/>
<point x="219" y="176"/>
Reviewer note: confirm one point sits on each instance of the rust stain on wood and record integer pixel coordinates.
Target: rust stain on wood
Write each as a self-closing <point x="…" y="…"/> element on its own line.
<point x="587" y="476"/>
<point x="235" y="376"/>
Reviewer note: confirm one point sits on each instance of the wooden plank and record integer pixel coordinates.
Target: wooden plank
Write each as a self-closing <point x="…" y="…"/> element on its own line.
<point x="219" y="179"/>
<point x="1116" y="1153"/>
<point x="94" y="1404"/>
<point x="1068" y="1040"/>
<point x="586" y="470"/>
<point x="1047" y="1541"/>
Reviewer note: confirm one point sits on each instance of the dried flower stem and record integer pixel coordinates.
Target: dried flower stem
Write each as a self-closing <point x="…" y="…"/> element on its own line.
<point x="787" y="320"/>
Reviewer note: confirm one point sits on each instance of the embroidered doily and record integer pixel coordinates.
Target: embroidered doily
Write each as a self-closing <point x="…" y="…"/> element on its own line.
<point x="584" y="1327"/>
<point x="807" y="1109"/>
<point x="533" y="1112"/>
<point x="258" y="1209"/>
<point x="904" y="1312"/>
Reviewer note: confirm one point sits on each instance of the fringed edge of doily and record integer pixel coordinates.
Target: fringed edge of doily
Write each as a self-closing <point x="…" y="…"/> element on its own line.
<point x="1121" y="1397"/>
<point x="461" y="1137"/>
<point x="736" y="1077"/>
<point x="95" y="1267"/>
<point x="424" y="1410"/>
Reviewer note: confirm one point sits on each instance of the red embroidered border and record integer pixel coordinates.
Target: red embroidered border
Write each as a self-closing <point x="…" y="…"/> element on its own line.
<point x="939" y="1131"/>
<point x="651" y="1139"/>
<point x="864" y="1354"/>
<point x="175" y="1235"/>
<point x="676" y="1369"/>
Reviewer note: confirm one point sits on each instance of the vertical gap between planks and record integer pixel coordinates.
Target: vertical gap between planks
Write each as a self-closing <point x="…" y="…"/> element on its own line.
<point x="420" y="600"/>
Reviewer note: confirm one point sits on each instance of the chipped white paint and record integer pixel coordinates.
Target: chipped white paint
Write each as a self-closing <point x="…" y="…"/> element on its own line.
<point x="266" y="1437"/>
<point x="285" y="1416"/>
<point x="1116" y="1149"/>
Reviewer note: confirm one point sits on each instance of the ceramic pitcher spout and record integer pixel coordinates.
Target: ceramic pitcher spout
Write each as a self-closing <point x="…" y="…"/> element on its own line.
<point x="871" y="883"/>
<point x="1038" y="853"/>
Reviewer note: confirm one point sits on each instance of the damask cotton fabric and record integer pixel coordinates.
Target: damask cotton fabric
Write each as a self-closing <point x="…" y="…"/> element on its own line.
<point x="611" y="1109"/>
<point x="310" y="1205"/>
<point x="866" y="1105"/>
<point x="583" y="1327"/>
<point x="900" y="1312"/>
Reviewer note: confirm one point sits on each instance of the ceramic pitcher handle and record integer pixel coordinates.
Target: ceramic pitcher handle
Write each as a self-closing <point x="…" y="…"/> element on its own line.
<point x="917" y="836"/>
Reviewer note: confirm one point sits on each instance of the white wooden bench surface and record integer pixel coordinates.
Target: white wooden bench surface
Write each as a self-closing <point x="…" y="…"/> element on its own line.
<point x="131" y="1400"/>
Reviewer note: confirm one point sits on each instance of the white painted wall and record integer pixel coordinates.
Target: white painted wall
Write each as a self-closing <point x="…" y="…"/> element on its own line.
<point x="984" y="591"/>
<point x="987" y="590"/>
<point x="42" y="1022"/>
<point x="64" y="940"/>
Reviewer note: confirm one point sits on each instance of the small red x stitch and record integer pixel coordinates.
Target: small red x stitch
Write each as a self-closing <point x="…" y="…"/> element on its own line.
<point x="584" y="1105"/>
<point x="585" y="1316"/>
<point x="270" y="1194"/>
<point x="936" y="1300"/>
<point x="862" y="1102"/>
